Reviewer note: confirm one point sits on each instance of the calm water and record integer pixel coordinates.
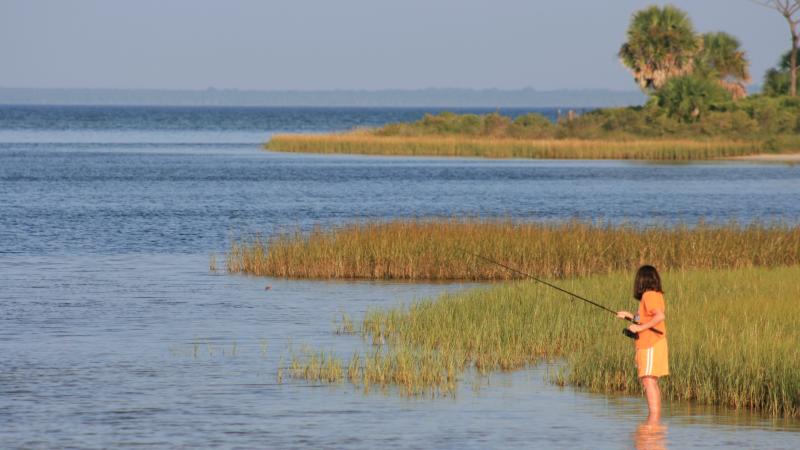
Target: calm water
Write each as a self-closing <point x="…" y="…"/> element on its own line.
<point x="113" y="333"/>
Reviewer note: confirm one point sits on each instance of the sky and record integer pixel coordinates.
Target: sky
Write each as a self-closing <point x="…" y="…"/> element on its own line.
<point x="346" y="44"/>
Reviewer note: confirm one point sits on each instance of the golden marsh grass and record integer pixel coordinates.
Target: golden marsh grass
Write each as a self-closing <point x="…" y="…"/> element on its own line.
<point x="732" y="334"/>
<point x="432" y="249"/>
<point x="368" y="143"/>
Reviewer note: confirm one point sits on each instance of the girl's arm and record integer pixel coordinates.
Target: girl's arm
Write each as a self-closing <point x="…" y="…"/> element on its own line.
<point x="624" y="315"/>
<point x="658" y="317"/>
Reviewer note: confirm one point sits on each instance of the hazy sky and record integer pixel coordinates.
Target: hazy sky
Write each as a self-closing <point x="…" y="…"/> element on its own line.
<point x="345" y="44"/>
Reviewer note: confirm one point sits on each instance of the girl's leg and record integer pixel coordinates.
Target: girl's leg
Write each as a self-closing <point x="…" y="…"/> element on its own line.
<point x="653" y="394"/>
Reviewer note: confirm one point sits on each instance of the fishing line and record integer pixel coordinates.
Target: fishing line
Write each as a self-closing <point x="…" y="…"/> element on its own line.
<point x="626" y="332"/>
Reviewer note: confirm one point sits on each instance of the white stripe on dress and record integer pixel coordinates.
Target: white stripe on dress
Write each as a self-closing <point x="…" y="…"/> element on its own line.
<point x="649" y="369"/>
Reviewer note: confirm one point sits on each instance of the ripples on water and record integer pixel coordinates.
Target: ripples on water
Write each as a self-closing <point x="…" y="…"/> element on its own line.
<point x="120" y="198"/>
<point x="114" y="334"/>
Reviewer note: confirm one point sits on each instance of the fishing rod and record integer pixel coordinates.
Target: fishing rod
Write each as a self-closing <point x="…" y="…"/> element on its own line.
<point x="626" y="332"/>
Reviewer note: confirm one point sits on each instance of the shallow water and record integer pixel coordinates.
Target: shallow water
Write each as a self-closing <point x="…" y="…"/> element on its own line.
<point x="114" y="333"/>
<point x="155" y="351"/>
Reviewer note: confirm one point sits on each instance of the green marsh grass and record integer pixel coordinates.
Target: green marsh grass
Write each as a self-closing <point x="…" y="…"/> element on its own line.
<point x="669" y="149"/>
<point x="733" y="338"/>
<point x="345" y="326"/>
<point x="316" y="366"/>
<point x="730" y="129"/>
<point x="431" y="249"/>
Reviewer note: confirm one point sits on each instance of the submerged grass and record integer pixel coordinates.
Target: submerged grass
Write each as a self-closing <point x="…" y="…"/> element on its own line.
<point x="732" y="334"/>
<point x="431" y="249"/>
<point x="672" y="149"/>
<point x="316" y="366"/>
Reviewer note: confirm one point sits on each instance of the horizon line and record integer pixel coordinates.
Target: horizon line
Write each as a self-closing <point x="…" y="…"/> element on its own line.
<point x="388" y="89"/>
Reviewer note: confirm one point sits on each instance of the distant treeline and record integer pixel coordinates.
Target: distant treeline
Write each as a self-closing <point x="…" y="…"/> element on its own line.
<point x="660" y="130"/>
<point x="751" y="117"/>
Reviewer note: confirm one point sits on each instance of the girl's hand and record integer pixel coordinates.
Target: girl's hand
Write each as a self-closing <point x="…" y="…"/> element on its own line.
<point x="624" y="315"/>
<point x="635" y="328"/>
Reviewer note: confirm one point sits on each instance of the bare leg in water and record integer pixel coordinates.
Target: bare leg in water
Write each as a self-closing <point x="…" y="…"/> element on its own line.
<point x="653" y="394"/>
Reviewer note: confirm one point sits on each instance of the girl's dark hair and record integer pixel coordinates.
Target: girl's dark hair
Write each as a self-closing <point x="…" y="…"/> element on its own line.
<point x="647" y="279"/>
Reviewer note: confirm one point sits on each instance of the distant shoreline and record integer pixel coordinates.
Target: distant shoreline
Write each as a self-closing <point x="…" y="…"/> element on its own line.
<point x="433" y="108"/>
<point x="364" y="143"/>
<point x="384" y="98"/>
<point x="755" y="126"/>
<point x="784" y="157"/>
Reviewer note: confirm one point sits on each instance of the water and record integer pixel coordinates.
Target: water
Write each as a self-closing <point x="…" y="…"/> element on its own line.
<point x="113" y="332"/>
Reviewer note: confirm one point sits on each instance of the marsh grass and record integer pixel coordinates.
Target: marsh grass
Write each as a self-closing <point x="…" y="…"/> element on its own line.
<point x="671" y="149"/>
<point x="317" y="366"/>
<point x="345" y="325"/>
<point x="732" y="336"/>
<point x="433" y="249"/>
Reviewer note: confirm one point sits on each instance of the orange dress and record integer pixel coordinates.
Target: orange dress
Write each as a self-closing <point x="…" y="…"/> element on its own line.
<point x="652" y="356"/>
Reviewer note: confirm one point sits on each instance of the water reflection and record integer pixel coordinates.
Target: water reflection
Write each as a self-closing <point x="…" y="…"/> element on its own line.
<point x="650" y="435"/>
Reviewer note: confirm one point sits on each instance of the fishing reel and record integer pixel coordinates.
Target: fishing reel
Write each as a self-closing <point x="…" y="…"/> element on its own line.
<point x="630" y="334"/>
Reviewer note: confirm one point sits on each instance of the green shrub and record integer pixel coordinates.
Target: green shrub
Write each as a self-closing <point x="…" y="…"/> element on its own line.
<point x="471" y="124"/>
<point x="495" y="124"/>
<point x="631" y="122"/>
<point x="790" y="103"/>
<point x="726" y="123"/>
<point x="687" y="97"/>
<point x="773" y="114"/>
<point x="622" y="119"/>
<point x="686" y="107"/>
<point x="532" y="125"/>
<point x="776" y="83"/>
<point x="445" y="122"/>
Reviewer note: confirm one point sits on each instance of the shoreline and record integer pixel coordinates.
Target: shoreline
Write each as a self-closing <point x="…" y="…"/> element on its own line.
<point x="643" y="149"/>
<point x="767" y="157"/>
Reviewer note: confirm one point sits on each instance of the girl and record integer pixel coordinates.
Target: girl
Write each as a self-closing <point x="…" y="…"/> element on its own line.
<point x="651" y="347"/>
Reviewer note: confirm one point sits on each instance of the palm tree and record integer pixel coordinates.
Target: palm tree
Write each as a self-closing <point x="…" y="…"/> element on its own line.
<point x="777" y="80"/>
<point x="789" y="9"/>
<point x="661" y="44"/>
<point x="722" y="58"/>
